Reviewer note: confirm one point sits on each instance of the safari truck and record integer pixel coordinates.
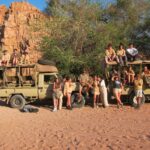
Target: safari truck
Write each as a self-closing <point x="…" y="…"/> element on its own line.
<point x="26" y="83"/>
<point x="23" y="84"/>
<point x="128" y="90"/>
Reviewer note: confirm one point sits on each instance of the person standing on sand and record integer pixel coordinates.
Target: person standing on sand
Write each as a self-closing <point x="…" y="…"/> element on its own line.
<point x="138" y="86"/>
<point x="117" y="89"/>
<point x="68" y="91"/>
<point x="96" y="91"/>
<point x="103" y="93"/>
<point x="57" y="95"/>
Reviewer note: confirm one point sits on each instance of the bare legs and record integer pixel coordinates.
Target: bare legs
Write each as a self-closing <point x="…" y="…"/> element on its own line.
<point x="118" y="98"/>
<point x="95" y="100"/>
<point x="130" y="78"/>
<point x="57" y="103"/>
<point x="68" y="100"/>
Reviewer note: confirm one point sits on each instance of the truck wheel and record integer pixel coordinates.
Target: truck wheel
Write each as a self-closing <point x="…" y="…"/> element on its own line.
<point x="133" y="101"/>
<point x="17" y="101"/>
<point x="74" y="101"/>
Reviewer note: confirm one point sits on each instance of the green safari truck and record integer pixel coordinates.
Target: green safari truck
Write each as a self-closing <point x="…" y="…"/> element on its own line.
<point x="23" y="84"/>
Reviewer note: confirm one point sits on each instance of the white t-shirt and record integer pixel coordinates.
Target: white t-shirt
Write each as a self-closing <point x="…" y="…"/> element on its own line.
<point x="132" y="51"/>
<point x="102" y="83"/>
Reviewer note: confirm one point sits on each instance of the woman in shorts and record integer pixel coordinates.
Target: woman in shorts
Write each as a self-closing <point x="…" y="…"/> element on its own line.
<point x="117" y="89"/>
<point x="68" y="91"/>
<point x="57" y="95"/>
<point x="138" y="87"/>
<point x="96" y="91"/>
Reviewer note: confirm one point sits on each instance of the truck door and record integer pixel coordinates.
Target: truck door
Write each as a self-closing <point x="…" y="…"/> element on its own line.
<point x="45" y="88"/>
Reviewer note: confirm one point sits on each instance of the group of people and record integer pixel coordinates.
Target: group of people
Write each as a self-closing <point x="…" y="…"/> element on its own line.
<point x="15" y="58"/>
<point x="87" y="85"/>
<point x="132" y="79"/>
<point x="96" y="89"/>
<point x="122" y="56"/>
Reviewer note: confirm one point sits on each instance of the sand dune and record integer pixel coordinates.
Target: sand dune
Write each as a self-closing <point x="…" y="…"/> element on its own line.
<point x="85" y="128"/>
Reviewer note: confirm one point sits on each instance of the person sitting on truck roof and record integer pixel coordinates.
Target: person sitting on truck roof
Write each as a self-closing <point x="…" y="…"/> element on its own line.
<point x="57" y="95"/>
<point x="5" y="58"/>
<point x="138" y="86"/>
<point x="132" y="52"/>
<point x="67" y="92"/>
<point x="14" y="59"/>
<point x="121" y="53"/>
<point x="110" y="54"/>
<point x="130" y="74"/>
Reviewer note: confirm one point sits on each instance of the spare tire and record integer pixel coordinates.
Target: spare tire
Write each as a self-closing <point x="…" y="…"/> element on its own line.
<point x="17" y="101"/>
<point x="46" y="62"/>
<point x="75" y="102"/>
<point x="133" y="101"/>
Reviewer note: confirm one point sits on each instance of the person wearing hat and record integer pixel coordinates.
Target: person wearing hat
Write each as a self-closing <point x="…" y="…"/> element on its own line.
<point x="5" y="58"/>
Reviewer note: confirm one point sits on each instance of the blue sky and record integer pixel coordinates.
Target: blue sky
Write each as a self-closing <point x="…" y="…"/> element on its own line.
<point x="41" y="4"/>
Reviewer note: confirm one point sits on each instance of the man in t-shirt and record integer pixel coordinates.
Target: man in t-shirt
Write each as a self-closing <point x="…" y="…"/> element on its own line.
<point x="138" y="86"/>
<point x="131" y="52"/>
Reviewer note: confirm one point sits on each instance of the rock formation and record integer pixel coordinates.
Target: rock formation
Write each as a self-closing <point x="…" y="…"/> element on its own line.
<point x="15" y="28"/>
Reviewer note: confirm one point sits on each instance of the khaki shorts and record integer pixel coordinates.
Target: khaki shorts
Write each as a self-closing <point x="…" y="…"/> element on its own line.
<point x="138" y="93"/>
<point x="116" y="91"/>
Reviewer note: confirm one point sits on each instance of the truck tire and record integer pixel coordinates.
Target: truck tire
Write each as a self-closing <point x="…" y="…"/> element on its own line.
<point x="46" y="62"/>
<point x="133" y="101"/>
<point x="17" y="101"/>
<point x="74" y="101"/>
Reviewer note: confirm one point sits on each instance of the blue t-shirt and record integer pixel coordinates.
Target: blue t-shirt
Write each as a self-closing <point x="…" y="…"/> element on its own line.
<point x="117" y="84"/>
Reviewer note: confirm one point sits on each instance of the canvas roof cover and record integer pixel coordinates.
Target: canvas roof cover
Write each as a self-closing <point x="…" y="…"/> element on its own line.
<point x="45" y="68"/>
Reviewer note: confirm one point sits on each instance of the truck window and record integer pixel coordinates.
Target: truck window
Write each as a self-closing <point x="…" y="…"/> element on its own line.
<point x="49" y="79"/>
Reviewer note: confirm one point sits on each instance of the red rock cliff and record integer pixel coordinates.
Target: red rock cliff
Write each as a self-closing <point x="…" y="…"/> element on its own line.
<point x="16" y="23"/>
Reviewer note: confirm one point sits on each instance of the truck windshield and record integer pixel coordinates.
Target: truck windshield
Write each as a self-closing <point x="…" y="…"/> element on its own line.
<point x="49" y="79"/>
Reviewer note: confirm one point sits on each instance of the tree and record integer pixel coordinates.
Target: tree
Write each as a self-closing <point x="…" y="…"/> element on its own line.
<point x="78" y="31"/>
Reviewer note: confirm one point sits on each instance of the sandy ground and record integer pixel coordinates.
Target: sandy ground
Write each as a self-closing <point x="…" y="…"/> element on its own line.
<point x="85" y="128"/>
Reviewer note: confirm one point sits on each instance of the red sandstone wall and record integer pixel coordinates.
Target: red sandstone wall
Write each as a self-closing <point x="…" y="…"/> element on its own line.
<point x="17" y="33"/>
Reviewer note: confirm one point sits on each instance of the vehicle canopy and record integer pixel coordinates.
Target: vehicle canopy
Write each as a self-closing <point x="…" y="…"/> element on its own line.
<point x="45" y="68"/>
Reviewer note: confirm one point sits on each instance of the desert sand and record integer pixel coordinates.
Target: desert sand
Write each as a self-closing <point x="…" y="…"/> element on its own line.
<point x="86" y="128"/>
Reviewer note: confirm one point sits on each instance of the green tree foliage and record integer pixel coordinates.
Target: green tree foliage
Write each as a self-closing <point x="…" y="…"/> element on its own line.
<point x="78" y="31"/>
